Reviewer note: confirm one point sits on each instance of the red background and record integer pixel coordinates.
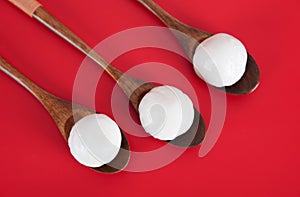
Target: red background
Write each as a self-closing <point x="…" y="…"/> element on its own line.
<point x="257" y="153"/>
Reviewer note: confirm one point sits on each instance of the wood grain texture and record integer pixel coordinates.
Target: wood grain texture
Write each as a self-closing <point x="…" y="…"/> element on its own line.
<point x="58" y="27"/>
<point x="128" y="84"/>
<point x="190" y="38"/>
<point x="65" y="115"/>
<point x="195" y="135"/>
<point x="135" y="89"/>
<point x="50" y="20"/>
<point x="250" y="80"/>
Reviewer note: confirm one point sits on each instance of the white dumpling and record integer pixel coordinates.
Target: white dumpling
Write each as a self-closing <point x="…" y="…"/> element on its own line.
<point x="220" y="60"/>
<point x="166" y="112"/>
<point x="95" y="140"/>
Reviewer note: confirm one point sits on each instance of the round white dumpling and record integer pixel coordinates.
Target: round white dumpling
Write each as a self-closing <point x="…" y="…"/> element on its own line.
<point x="220" y="60"/>
<point x="95" y="140"/>
<point x="166" y="112"/>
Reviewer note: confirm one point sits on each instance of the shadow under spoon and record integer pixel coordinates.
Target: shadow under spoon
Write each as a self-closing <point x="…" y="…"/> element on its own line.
<point x="190" y="38"/>
<point x="64" y="113"/>
<point x="135" y="89"/>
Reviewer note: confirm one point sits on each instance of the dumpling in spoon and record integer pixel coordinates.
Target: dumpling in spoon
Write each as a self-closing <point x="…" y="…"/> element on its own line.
<point x="220" y="60"/>
<point x="95" y="140"/>
<point x="166" y="112"/>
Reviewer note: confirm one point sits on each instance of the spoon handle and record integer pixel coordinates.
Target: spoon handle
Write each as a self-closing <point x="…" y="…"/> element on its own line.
<point x="167" y="18"/>
<point x="188" y="36"/>
<point x="62" y="112"/>
<point x="38" y="92"/>
<point x="35" y="10"/>
<point x="44" y="17"/>
<point x="164" y="16"/>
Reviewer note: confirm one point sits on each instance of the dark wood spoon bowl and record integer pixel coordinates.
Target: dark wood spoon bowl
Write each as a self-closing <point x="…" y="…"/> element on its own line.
<point x="190" y="38"/>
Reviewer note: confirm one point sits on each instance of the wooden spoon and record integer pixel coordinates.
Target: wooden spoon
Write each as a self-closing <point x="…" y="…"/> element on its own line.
<point x="134" y="89"/>
<point x="190" y="39"/>
<point x="63" y="113"/>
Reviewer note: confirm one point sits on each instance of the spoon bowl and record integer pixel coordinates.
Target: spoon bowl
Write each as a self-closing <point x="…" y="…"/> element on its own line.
<point x="190" y="37"/>
<point x="137" y="89"/>
<point x="65" y="115"/>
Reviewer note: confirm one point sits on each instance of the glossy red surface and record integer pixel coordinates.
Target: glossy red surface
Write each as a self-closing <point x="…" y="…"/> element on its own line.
<point x="257" y="153"/>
